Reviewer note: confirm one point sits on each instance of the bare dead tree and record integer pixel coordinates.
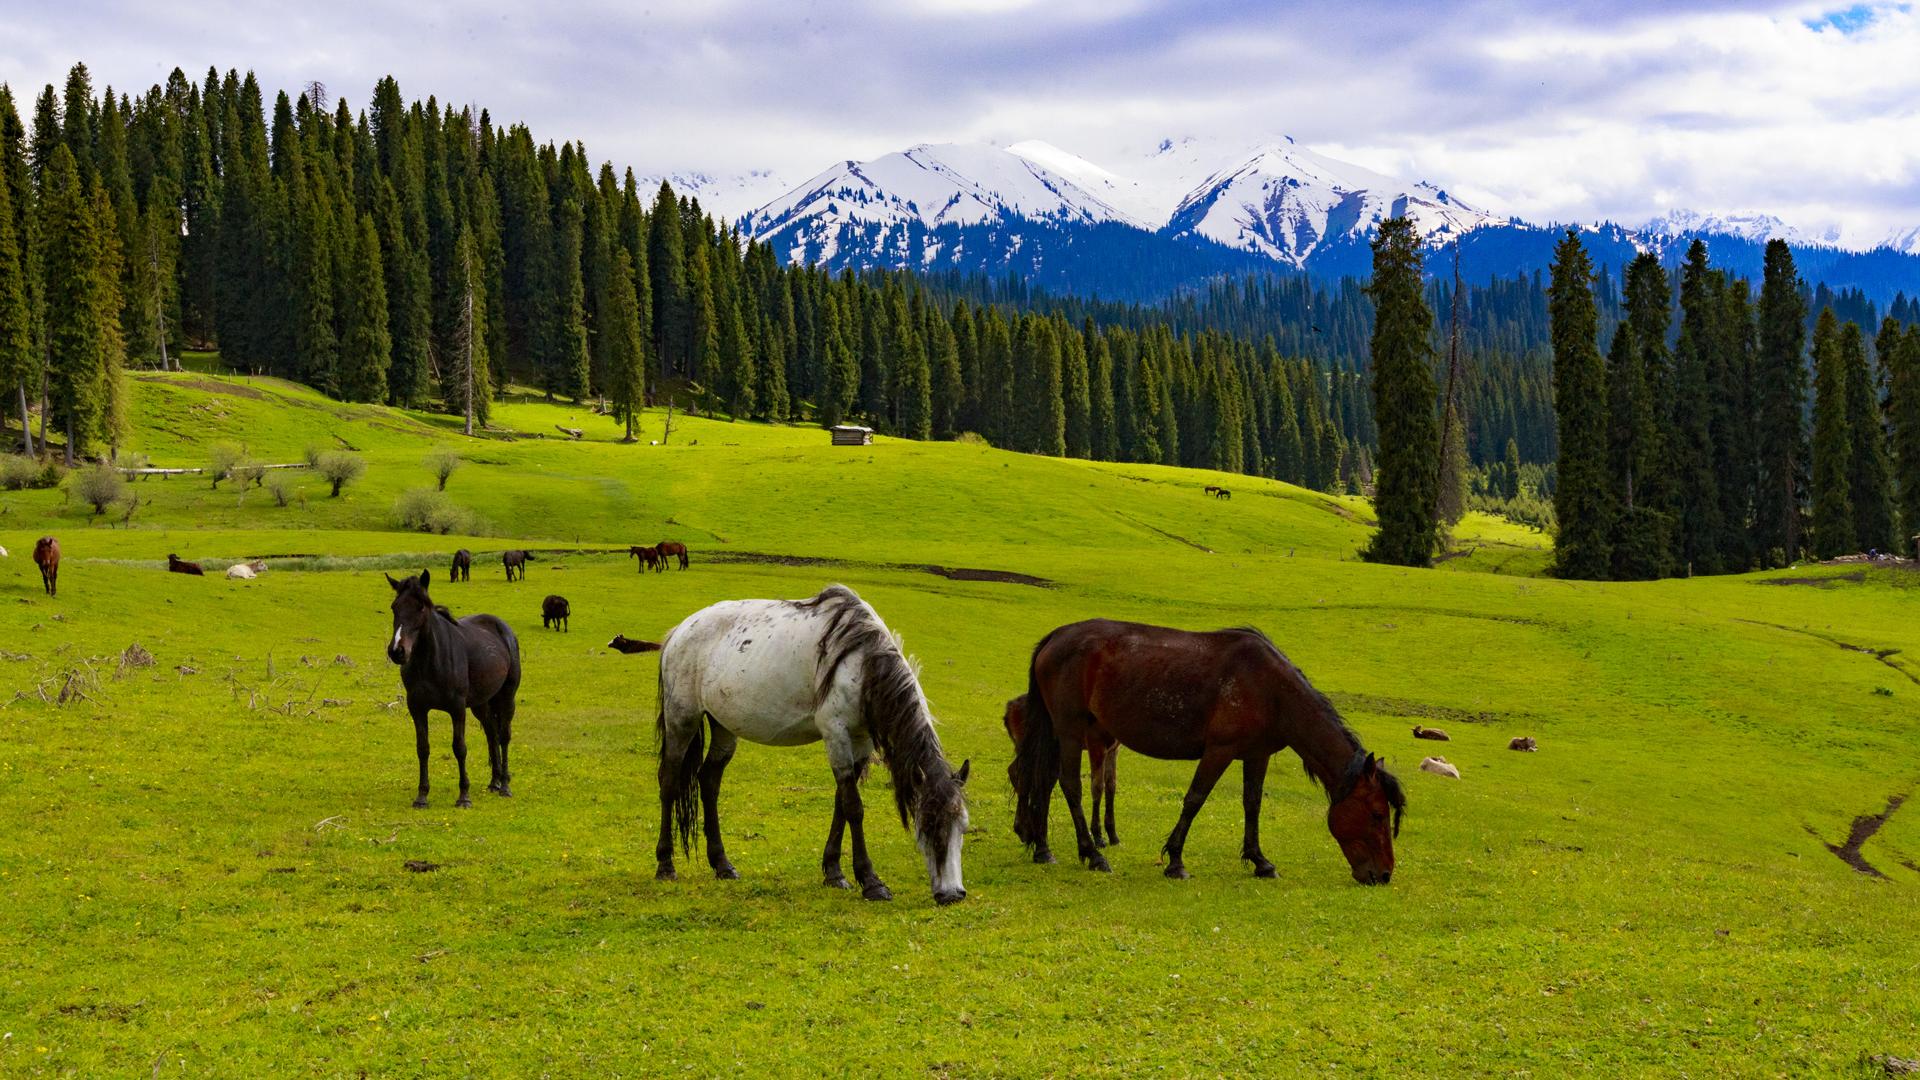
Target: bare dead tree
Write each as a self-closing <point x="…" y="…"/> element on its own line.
<point x="316" y="95"/>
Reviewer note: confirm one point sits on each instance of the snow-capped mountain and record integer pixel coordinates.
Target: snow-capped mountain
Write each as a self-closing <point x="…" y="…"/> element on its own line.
<point x="1906" y="241"/>
<point x="927" y="187"/>
<point x="1756" y="227"/>
<point x="1285" y="201"/>
<point x="724" y="195"/>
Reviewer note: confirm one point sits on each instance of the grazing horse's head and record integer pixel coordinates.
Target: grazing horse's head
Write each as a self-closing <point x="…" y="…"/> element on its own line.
<point x="1365" y="817"/>
<point x="942" y="827"/>
<point x="412" y="611"/>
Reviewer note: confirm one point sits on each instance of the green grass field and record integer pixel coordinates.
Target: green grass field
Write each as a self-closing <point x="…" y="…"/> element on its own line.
<point x="205" y="859"/>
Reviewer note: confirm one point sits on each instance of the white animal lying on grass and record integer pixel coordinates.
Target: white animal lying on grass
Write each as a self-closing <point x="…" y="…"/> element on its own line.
<point x="1439" y="766"/>
<point x="241" y="572"/>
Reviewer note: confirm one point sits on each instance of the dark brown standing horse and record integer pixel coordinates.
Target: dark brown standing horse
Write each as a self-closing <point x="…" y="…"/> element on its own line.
<point x="516" y="563"/>
<point x="462" y="566"/>
<point x="46" y="555"/>
<point x="649" y="557"/>
<point x="670" y="549"/>
<point x="1217" y="697"/>
<point x="454" y="665"/>
<point x="554" y="611"/>
<point x="1102" y="754"/>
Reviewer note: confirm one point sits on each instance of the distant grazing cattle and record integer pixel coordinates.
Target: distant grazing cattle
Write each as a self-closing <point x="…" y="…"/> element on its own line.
<point x="1439" y="766"/>
<point x="1433" y="733"/>
<point x="177" y="565"/>
<point x="516" y="563"/>
<point x="1523" y="742"/>
<point x="554" y="611"/>
<point x="46" y="554"/>
<point x="625" y="644"/>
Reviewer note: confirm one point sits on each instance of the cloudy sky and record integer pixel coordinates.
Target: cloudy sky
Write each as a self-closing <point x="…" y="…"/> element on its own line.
<point x="1616" y="110"/>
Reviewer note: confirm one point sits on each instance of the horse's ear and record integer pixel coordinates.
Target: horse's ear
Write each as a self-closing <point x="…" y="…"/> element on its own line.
<point x="1373" y="765"/>
<point x="425" y="576"/>
<point x="965" y="768"/>
<point x="395" y="584"/>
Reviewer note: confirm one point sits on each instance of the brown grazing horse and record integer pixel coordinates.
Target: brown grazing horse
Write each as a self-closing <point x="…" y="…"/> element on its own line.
<point x="177" y="565"/>
<point x="462" y="566"/>
<point x="649" y="557"/>
<point x="553" y="613"/>
<point x="1102" y="754"/>
<point x="454" y="665"/>
<point x="516" y="563"/>
<point x="1218" y="697"/>
<point x="46" y="555"/>
<point x="669" y="549"/>
<point x="625" y="644"/>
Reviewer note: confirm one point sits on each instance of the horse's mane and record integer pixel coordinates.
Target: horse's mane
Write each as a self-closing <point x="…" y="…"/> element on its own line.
<point x="441" y="610"/>
<point x="895" y="708"/>
<point x="1337" y="784"/>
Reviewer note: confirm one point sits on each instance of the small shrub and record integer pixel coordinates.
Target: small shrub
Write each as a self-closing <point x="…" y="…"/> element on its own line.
<point x="340" y="468"/>
<point x="18" y="472"/>
<point x="972" y="438"/>
<point x="312" y="454"/>
<point x="222" y="460"/>
<point x="52" y="475"/>
<point x="128" y="507"/>
<point x="445" y="518"/>
<point x="134" y="461"/>
<point x="100" y="486"/>
<point x="442" y="463"/>
<point x="280" y="486"/>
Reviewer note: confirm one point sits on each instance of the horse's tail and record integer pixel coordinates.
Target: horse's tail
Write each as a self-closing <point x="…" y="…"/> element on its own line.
<point x="1036" y="761"/>
<point x="680" y="780"/>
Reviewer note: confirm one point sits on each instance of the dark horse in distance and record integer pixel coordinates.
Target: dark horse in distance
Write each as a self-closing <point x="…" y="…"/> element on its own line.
<point x="462" y="566"/>
<point x="1215" y="697"/>
<point x="554" y="611"/>
<point x="649" y="557"/>
<point x="46" y="555"/>
<point x="516" y="563"/>
<point x="178" y="565"/>
<point x="454" y="665"/>
<point x="1102" y="755"/>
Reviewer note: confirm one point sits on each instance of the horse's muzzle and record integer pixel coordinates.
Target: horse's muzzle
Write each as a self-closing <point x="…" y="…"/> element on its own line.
<point x="1373" y="877"/>
<point x="396" y="654"/>
<point x="952" y="897"/>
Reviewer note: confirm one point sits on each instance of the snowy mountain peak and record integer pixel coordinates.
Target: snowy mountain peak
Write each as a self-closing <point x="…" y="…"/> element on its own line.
<point x="1756" y="227"/>
<point x="1285" y="201"/>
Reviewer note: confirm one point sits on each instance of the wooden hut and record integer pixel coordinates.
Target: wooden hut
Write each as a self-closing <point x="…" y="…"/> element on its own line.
<point x="852" y="435"/>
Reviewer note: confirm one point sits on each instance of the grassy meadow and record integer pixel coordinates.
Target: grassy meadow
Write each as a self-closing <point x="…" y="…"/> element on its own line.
<point x="206" y="859"/>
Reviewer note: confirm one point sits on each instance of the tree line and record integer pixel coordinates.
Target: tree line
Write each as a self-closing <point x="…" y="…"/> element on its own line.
<point x="422" y="256"/>
<point x="1689" y="452"/>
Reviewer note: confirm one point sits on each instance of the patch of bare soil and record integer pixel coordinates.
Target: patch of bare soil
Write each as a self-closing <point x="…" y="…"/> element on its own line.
<point x="951" y="573"/>
<point x="211" y="386"/>
<point x="1862" y="831"/>
<point x="1391" y="706"/>
<point x="1832" y="582"/>
<point x="1005" y="577"/>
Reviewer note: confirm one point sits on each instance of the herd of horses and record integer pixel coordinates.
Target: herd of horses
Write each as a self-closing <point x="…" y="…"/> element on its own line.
<point x="827" y="669"/>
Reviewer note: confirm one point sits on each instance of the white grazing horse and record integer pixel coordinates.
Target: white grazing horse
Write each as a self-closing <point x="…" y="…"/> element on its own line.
<point x="793" y="672"/>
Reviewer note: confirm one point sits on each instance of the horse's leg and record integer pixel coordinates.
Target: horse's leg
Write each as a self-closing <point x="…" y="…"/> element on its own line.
<point x="501" y="708"/>
<point x="848" y="795"/>
<point x="1097" y="779"/>
<point x="680" y="726"/>
<point x="1113" y="776"/>
<point x="483" y="712"/>
<point x="830" y="856"/>
<point x="1253" y="779"/>
<point x="459" y="714"/>
<point x="719" y="752"/>
<point x="1070" y="787"/>
<point x="1212" y="763"/>
<point x="420" y="747"/>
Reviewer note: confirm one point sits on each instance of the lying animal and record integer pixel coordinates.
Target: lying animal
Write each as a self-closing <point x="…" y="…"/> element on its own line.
<point x="1439" y="766"/>
<point x="1523" y="742"/>
<point x="177" y="565"/>
<point x="554" y="611"/>
<point x="625" y="644"/>
<point x="1433" y="733"/>
<point x="241" y="572"/>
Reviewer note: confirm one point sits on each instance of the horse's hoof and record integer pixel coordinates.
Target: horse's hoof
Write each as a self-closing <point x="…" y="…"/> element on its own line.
<point x="1044" y="857"/>
<point x="665" y="873"/>
<point x="876" y="891"/>
<point x="463" y="803"/>
<point x="505" y="792"/>
<point x="1099" y="862"/>
<point x="1265" y="870"/>
<point x="839" y="883"/>
<point x="726" y="872"/>
<point x="1112" y="840"/>
<point x="420" y="803"/>
<point x="1177" y="872"/>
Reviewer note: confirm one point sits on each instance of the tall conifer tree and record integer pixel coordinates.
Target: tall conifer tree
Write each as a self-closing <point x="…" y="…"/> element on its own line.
<point x="1581" y="502"/>
<point x="1403" y="402"/>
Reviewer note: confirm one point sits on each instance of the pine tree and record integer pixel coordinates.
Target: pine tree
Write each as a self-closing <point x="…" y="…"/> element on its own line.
<point x="1696" y="499"/>
<point x="1454" y="468"/>
<point x="466" y="384"/>
<point x="1780" y="392"/>
<point x="1511" y="475"/>
<point x="1900" y="354"/>
<point x="1869" y="485"/>
<point x="365" y="346"/>
<point x="17" y="359"/>
<point x="772" y="397"/>
<point x="1639" y="539"/>
<point x="949" y="391"/>
<point x="626" y="385"/>
<point x="908" y="363"/>
<point x="1076" y="397"/>
<point x="672" y="309"/>
<point x="1833" y="527"/>
<point x="1403" y="402"/>
<point x="1735" y="450"/>
<point x="841" y="375"/>
<point x="738" y="372"/>
<point x="1581" y="503"/>
<point x="1147" y="413"/>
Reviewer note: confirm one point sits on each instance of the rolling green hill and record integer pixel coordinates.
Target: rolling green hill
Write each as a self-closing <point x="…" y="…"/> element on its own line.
<point x="207" y="857"/>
